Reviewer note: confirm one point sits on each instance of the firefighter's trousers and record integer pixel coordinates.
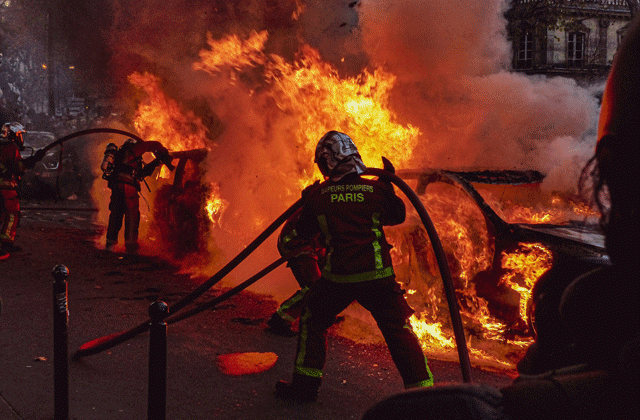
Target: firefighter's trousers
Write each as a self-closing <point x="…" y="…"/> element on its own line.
<point x="306" y="272"/>
<point x="124" y="205"/>
<point x="9" y="214"/>
<point x="384" y="299"/>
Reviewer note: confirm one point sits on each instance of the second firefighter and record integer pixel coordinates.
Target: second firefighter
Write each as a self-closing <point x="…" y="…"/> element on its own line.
<point x="125" y="169"/>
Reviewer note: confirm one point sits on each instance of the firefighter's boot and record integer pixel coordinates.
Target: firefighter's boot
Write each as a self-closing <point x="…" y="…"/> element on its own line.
<point x="110" y="246"/>
<point x="132" y="248"/>
<point x="278" y="326"/>
<point x="302" y="389"/>
<point x="11" y="247"/>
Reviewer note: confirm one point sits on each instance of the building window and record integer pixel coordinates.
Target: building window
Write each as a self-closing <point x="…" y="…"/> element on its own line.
<point x="575" y="49"/>
<point x="525" y="51"/>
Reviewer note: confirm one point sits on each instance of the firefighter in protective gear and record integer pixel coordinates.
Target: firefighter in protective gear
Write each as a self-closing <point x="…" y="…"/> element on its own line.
<point x="12" y="167"/>
<point x="349" y="212"/>
<point x="306" y="271"/>
<point x="124" y="170"/>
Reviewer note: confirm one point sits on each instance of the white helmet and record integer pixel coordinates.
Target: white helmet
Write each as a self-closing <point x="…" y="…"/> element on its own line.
<point x="12" y="132"/>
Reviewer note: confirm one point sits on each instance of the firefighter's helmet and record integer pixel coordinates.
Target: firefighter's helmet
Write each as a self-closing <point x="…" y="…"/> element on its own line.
<point x="111" y="148"/>
<point x="336" y="149"/>
<point x="13" y="132"/>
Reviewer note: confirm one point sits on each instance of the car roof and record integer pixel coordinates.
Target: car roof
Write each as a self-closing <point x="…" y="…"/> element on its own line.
<point x="38" y="139"/>
<point x="484" y="176"/>
<point x="575" y="234"/>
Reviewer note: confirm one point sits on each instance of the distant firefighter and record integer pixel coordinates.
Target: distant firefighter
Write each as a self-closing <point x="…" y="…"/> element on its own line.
<point x="12" y="167"/>
<point x="125" y="169"/>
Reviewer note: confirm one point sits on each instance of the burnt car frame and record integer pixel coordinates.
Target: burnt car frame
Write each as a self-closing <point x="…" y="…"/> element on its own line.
<point x="179" y="211"/>
<point x="577" y="246"/>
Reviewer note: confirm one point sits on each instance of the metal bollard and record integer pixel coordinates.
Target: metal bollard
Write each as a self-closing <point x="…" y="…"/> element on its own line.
<point x="157" y="401"/>
<point x="60" y="343"/>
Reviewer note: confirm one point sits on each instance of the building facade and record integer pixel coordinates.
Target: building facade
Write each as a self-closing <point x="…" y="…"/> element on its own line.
<point x="571" y="38"/>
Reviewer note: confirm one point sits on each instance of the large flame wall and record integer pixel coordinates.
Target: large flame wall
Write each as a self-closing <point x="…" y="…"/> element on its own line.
<point x="424" y="83"/>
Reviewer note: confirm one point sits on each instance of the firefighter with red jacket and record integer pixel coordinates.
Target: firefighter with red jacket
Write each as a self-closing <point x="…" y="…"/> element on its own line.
<point x="349" y="213"/>
<point x="12" y="167"/>
<point x="125" y="169"/>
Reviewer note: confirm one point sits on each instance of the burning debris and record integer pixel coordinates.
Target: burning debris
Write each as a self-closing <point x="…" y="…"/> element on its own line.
<point x="495" y="261"/>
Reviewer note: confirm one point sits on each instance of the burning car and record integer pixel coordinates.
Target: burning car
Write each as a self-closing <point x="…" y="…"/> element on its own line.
<point x="56" y="175"/>
<point x="511" y="254"/>
<point x="180" y="216"/>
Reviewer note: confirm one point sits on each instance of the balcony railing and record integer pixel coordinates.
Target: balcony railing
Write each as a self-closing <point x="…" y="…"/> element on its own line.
<point x="616" y="3"/>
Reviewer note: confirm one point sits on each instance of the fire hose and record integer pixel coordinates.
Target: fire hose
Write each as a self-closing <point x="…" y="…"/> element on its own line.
<point x="100" y="344"/>
<point x="443" y="266"/>
<point x="106" y="342"/>
<point x="89" y="131"/>
<point x="93" y="131"/>
<point x="85" y="132"/>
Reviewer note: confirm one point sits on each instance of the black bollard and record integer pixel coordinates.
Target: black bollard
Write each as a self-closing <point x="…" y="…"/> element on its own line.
<point x="157" y="401"/>
<point x="60" y="343"/>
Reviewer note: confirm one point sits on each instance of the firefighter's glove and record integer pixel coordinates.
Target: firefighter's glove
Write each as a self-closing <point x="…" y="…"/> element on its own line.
<point x="31" y="161"/>
<point x="165" y="158"/>
<point x="307" y="190"/>
<point x="149" y="168"/>
<point x="388" y="166"/>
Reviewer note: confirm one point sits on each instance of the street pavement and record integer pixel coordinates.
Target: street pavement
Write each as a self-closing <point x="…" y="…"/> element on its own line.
<point x="111" y="292"/>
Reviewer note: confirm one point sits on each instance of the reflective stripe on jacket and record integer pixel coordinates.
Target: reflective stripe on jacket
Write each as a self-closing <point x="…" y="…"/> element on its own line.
<point x="350" y="215"/>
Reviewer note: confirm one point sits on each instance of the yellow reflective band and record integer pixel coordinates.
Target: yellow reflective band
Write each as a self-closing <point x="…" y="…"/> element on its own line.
<point x="287" y="304"/>
<point x="301" y="370"/>
<point x="377" y="249"/>
<point x="290" y="236"/>
<point x="356" y="278"/>
<point x="284" y="315"/>
<point x="7" y="233"/>
<point x="421" y="384"/>
<point x="324" y="227"/>
<point x="426" y="382"/>
<point x="303" y="335"/>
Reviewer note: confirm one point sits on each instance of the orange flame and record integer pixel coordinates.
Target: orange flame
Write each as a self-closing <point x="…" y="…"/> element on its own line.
<point x="232" y="52"/>
<point x="317" y="99"/>
<point x="160" y="118"/>
<point x="320" y="100"/>
<point x="464" y="236"/>
<point x="558" y="210"/>
<point x="525" y="265"/>
<point x="216" y="205"/>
